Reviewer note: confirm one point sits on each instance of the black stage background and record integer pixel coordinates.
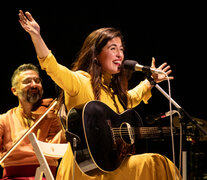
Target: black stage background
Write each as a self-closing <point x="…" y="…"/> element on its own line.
<point x="173" y="33"/>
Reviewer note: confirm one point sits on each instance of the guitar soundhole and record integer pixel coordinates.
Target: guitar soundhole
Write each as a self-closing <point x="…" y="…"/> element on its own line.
<point x="127" y="133"/>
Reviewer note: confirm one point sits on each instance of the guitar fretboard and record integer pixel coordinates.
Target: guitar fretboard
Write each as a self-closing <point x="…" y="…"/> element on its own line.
<point x="152" y="132"/>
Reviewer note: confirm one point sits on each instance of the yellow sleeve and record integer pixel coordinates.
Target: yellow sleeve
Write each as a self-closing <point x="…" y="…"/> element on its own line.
<point x="139" y="93"/>
<point x="61" y="75"/>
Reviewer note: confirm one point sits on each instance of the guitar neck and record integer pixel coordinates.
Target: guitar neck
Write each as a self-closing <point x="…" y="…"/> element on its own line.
<point x="152" y="132"/>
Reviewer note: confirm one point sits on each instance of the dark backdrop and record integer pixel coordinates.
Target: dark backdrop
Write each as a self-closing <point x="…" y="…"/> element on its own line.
<point x="173" y="33"/>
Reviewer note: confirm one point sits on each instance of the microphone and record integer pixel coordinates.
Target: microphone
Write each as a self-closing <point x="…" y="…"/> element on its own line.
<point x="152" y="118"/>
<point x="135" y="66"/>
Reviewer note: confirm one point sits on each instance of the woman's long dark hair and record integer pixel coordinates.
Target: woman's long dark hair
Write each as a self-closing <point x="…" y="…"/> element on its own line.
<point x="88" y="62"/>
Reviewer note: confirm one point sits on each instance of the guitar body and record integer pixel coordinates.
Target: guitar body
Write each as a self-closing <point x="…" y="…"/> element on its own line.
<point x="109" y="137"/>
<point x="105" y="138"/>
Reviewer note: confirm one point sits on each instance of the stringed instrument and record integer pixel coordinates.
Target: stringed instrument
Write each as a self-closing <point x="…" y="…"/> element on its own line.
<point x="105" y="137"/>
<point x="44" y="108"/>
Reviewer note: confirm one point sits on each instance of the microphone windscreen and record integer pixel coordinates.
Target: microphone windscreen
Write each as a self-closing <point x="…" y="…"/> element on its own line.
<point x="130" y="64"/>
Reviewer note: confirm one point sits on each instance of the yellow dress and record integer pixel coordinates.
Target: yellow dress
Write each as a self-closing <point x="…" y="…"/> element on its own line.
<point x="78" y="91"/>
<point x="148" y="166"/>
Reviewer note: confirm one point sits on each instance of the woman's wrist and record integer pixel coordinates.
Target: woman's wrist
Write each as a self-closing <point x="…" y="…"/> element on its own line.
<point x="40" y="46"/>
<point x="150" y="82"/>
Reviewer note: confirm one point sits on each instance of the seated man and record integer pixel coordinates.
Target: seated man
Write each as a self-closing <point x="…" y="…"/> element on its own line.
<point x="21" y="163"/>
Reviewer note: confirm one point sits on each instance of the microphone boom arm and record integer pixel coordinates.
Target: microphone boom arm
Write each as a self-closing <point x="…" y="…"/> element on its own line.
<point x="181" y="110"/>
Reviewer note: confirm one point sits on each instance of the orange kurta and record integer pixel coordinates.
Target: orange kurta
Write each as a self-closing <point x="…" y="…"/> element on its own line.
<point x="13" y="124"/>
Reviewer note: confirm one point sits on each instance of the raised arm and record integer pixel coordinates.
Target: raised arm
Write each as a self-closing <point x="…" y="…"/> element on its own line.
<point x="60" y="74"/>
<point x="32" y="27"/>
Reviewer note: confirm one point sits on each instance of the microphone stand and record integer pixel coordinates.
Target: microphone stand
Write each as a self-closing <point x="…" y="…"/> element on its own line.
<point x="148" y="73"/>
<point x="183" y="123"/>
<point x="182" y="111"/>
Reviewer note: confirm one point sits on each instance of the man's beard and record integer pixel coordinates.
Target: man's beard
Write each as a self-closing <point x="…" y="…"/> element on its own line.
<point x="33" y="98"/>
<point x="30" y="96"/>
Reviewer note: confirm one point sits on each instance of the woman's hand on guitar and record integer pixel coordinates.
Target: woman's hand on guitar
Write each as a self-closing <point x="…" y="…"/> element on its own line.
<point x="28" y="23"/>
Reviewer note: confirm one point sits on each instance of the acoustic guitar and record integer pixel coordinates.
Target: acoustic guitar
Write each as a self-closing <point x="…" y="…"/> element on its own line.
<point x="105" y="138"/>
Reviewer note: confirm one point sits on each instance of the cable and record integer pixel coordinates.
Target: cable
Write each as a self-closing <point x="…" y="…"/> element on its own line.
<point x="171" y="112"/>
<point x="181" y="143"/>
<point x="171" y="122"/>
<point x="171" y="101"/>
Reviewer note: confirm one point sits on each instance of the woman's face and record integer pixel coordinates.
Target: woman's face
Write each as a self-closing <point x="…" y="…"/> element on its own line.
<point x="111" y="56"/>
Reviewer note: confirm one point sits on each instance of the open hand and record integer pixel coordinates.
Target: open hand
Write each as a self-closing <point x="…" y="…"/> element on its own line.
<point x="28" y="23"/>
<point x="161" y="77"/>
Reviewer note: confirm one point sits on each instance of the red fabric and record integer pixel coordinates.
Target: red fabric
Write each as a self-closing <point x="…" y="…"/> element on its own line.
<point x="23" y="172"/>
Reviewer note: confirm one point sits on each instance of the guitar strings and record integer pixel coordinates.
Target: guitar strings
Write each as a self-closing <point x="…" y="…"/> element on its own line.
<point x="143" y="133"/>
